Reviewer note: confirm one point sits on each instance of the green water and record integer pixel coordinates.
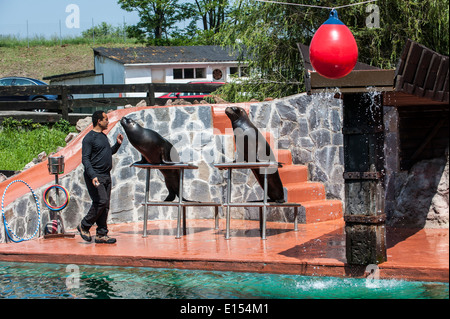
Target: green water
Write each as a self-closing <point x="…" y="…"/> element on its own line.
<point x="54" y="281"/>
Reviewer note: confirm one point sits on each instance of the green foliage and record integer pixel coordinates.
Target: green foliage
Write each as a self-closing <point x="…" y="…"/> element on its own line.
<point x="21" y="141"/>
<point x="63" y="126"/>
<point x="160" y="20"/>
<point x="11" y="41"/>
<point x="104" y="30"/>
<point x="266" y="35"/>
<point x="13" y="124"/>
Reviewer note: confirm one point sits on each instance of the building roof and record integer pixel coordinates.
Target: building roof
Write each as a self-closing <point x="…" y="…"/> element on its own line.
<point x="71" y="75"/>
<point x="167" y="54"/>
<point x="423" y="73"/>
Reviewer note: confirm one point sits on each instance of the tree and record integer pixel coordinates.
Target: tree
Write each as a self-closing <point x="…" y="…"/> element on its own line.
<point x="212" y="13"/>
<point x="267" y="35"/>
<point x="103" y="30"/>
<point x="158" y="19"/>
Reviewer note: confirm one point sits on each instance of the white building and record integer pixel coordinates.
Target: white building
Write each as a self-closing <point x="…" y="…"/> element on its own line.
<point x="156" y="64"/>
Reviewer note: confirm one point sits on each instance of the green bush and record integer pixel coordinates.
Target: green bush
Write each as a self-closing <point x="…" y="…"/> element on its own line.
<point x="21" y="141"/>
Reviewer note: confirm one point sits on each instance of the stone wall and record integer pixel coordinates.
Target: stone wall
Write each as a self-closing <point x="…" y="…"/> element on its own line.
<point x="308" y="125"/>
<point x="419" y="197"/>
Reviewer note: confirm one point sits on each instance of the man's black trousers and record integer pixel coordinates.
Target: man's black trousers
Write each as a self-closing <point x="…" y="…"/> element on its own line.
<point x="98" y="213"/>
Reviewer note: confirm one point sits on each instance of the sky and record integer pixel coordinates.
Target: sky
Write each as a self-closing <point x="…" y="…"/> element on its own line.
<point x="44" y="17"/>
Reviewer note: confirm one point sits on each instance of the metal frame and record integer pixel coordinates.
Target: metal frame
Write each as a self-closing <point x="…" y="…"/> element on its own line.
<point x="262" y="205"/>
<point x="180" y="204"/>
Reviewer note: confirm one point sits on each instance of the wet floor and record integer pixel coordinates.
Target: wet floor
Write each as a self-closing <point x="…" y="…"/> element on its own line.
<point x="314" y="250"/>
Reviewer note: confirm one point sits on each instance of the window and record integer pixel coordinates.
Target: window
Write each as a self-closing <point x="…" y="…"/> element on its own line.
<point x="189" y="73"/>
<point x="5" y="82"/>
<point x="177" y="73"/>
<point x="200" y="73"/>
<point x="239" y="71"/>
<point x="217" y="74"/>
<point x="23" y="82"/>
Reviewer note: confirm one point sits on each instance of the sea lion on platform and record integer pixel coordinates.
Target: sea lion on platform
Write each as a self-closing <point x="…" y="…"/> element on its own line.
<point x="154" y="149"/>
<point x="251" y="146"/>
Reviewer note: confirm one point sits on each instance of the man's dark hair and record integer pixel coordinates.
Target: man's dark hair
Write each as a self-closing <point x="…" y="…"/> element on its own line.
<point x="98" y="115"/>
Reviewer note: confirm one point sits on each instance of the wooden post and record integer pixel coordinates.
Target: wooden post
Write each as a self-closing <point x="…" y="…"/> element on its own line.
<point x="151" y="95"/>
<point x="65" y="102"/>
<point x="364" y="216"/>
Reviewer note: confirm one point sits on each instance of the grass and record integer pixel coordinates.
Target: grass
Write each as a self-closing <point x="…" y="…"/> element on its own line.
<point x="46" y="57"/>
<point x="18" y="146"/>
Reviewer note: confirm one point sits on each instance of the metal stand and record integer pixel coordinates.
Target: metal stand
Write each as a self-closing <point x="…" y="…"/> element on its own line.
<point x="262" y="205"/>
<point x="56" y="167"/>
<point x="180" y="204"/>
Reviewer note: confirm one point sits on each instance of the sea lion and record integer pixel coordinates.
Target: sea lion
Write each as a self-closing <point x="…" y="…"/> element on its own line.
<point x="154" y="149"/>
<point x="251" y="146"/>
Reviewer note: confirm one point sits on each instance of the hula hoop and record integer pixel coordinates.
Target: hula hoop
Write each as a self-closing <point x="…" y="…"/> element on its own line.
<point x="8" y="229"/>
<point x="46" y="197"/>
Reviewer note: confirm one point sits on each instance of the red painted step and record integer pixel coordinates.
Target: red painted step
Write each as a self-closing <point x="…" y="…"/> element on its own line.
<point x="322" y="210"/>
<point x="293" y="174"/>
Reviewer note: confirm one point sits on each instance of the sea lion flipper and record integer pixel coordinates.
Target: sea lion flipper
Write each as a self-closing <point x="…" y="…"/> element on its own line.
<point x="170" y="197"/>
<point x="169" y="154"/>
<point x="142" y="161"/>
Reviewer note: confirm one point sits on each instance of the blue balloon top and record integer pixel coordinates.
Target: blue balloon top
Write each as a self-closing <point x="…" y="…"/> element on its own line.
<point x="333" y="19"/>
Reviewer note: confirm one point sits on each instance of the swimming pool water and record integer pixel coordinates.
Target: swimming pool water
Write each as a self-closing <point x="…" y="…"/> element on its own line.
<point x="52" y="281"/>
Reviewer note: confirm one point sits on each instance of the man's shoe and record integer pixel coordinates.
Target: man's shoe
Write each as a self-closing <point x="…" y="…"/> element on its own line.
<point x="104" y="240"/>
<point x="84" y="234"/>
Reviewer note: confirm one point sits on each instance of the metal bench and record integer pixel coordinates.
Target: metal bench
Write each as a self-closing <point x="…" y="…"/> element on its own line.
<point x="262" y="205"/>
<point x="180" y="204"/>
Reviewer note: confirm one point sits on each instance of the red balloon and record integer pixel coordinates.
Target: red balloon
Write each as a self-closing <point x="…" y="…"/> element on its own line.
<point x="333" y="51"/>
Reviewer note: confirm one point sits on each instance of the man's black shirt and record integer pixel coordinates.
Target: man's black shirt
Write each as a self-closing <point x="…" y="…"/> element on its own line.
<point x="97" y="154"/>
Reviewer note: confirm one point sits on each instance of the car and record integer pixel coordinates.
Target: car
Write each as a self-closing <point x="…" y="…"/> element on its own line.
<point x="17" y="80"/>
<point x="188" y="95"/>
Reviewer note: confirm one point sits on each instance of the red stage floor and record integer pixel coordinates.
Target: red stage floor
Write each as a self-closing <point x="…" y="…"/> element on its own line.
<point x="314" y="250"/>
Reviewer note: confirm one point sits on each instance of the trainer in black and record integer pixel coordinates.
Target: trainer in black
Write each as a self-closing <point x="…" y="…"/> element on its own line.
<point x="84" y="233"/>
<point x="104" y="240"/>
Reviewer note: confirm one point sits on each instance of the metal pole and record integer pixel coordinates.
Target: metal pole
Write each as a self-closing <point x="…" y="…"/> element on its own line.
<point x="295" y="218"/>
<point x="28" y="39"/>
<point x="180" y="201"/>
<point x="263" y="233"/>
<point x="227" y="233"/>
<point x="60" y="33"/>
<point x="216" y="217"/>
<point x="124" y="32"/>
<point x="146" y="200"/>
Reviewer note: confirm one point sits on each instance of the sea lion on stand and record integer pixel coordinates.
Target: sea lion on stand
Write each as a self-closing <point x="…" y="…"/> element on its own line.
<point x="251" y="146"/>
<point x="154" y="149"/>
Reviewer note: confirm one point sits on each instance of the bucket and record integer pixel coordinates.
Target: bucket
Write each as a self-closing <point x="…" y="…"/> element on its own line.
<point x="56" y="165"/>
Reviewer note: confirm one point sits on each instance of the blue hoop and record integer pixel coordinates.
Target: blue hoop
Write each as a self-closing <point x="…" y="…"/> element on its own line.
<point x="8" y="229"/>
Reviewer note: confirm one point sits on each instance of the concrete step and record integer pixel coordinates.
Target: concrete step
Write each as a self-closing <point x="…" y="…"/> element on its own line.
<point x="293" y="174"/>
<point x="322" y="210"/>
<point x="305" y="192"/>
<point x="283" y="156"/>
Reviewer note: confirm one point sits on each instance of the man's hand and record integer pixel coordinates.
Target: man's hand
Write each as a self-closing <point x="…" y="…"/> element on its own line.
<point x="119" y="138"/>
<point x="95" y="182"/>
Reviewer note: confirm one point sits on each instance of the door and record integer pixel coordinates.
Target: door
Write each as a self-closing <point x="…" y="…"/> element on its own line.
<point x="158" y="76"/>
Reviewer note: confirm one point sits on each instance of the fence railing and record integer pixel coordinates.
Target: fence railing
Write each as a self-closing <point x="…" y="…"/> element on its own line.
<point x="65" y="104"/>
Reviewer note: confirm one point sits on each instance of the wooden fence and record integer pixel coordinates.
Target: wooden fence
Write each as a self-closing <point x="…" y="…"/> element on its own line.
<point x="65" y="104"/>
